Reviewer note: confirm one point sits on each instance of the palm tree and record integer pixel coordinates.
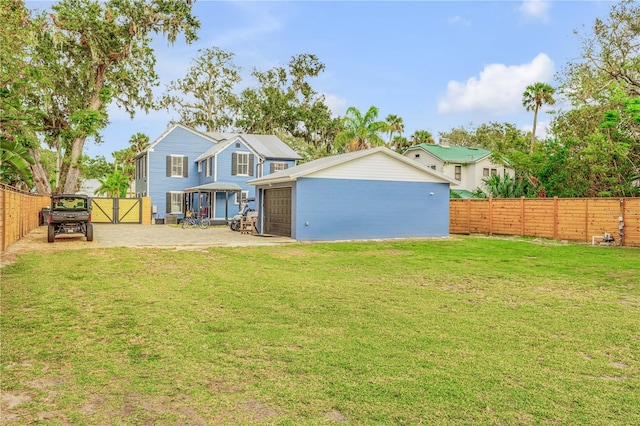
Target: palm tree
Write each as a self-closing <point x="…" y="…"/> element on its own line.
<point x="395" y="124"/>
<point x="505" y="186"/>
<point x="360" y="131"/>
<point x="534" y="96"/>
<point x="400" y="143"/>
<point x="114" y="184"/>
<point x="422" y="136"/>
<point x="14" y="163"/>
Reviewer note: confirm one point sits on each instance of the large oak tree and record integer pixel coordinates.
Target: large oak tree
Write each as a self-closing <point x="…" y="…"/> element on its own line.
<point x="95" y="53"/>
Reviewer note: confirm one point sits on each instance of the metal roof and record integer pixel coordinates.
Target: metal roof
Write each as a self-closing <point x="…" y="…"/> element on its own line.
<point x="266" y="146"/>
<point x="453" y="154"/>
<point x="215" y="186"/>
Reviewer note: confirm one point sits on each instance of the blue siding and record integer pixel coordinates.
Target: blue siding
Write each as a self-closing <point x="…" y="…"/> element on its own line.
<point x="339" y="209"/>
<point x="178" y="142"/>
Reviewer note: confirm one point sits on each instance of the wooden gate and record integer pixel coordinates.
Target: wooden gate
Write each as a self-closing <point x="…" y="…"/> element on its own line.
<point x="116" y="210"/>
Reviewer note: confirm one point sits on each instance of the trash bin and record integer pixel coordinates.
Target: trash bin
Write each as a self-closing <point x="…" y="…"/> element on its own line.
<point x="44" y="215"/>
<point x="171" y="219"/>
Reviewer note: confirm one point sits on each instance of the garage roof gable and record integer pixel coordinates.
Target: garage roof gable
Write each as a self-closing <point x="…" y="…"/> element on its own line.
<point x="371" y="164"/>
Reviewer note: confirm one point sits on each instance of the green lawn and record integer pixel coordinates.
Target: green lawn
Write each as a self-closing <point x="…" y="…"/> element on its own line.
<point x="467" y="330"/>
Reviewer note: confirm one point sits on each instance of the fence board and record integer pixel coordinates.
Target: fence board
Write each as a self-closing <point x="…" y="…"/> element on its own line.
<point x="575" y="219"/>
<point x="19" y="214"/>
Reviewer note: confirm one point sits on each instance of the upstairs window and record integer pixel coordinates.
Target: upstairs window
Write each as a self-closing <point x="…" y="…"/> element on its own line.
<point x="277" y="166"/>
<point x="141" y="167"/>
<point x="177" y="166"/>
<point x="242" y="164"/>
<point x="458" y="173"/>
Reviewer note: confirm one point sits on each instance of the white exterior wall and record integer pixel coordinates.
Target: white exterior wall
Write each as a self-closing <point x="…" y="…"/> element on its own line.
<point x="375" y="167"/>
<point x="478" y="174"/>
<point x="472" y="173"/>
<point x="426" y="160"/>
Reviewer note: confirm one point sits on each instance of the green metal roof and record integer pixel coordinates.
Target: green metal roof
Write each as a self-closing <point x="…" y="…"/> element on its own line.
<point x="454" y="154"/>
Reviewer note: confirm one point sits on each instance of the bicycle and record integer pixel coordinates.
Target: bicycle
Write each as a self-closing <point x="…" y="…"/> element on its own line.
<point x="191" y="221"/>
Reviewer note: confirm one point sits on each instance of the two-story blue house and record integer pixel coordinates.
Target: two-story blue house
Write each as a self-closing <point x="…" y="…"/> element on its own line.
<point x="185" y="169"/>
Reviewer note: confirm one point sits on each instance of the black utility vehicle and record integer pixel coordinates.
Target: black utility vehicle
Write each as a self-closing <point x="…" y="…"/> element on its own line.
<point x="69" y="214"/>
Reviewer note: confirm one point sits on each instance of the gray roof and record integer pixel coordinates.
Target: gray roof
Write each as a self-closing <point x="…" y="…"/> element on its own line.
<point x="215" y="186"/>
<point x="266" y="146"/>
<point x="305" y="169"/>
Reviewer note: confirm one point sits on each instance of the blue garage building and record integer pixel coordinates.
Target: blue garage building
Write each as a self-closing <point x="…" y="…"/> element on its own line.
<point x="369" y="194"/>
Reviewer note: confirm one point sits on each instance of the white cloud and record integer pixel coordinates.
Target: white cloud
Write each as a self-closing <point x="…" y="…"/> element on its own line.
<point x="335" y="104"/>
<point x="535" y="9"/>
<point x="543" y="129"/>
<point x="498" y="90"/>
<point x="458" y="20"/>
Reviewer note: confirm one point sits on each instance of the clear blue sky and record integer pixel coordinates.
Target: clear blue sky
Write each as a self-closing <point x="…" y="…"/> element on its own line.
<point x="436" y="64"/>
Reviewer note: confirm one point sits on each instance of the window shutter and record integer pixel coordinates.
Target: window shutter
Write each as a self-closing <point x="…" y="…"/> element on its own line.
<point x="251" y="164"/>
<point x="234" y="164"/>
<point x="271" y="167"/>
<point x="168" y="202"/>
<point x="168" y="166"/>
<point x="185" y="166"/>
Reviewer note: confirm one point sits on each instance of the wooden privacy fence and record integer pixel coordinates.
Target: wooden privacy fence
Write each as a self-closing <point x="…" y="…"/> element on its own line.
<point x="573" y="219"/>
<point x="19" y="214"/>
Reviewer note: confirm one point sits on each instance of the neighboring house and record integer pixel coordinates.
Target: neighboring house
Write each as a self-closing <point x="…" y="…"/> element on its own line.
<point x="467" y="166"/>
<point x="185" y="169"/>
<point x="368" y="194"/>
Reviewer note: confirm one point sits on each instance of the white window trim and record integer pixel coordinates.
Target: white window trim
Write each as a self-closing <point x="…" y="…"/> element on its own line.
<point x="207" y="168"/>
<point x="279" y="166"/>
<point x="244" y="155"/>
<point x="173" y="158"/>
<point x="244" y="195"/>
<point x="180" y="201"/>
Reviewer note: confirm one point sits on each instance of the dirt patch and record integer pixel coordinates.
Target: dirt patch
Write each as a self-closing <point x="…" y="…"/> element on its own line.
<point x="36" y="240"/>
<point x="336" y="416"/>
<point x="13" y="400"/>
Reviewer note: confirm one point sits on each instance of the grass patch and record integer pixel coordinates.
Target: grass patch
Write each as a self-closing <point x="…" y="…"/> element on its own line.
<point x="465" y="331"/>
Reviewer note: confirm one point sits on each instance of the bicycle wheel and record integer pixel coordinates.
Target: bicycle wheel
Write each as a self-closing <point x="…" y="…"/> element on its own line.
<point x="187" y="223"/>
<point x="203" y="223"/>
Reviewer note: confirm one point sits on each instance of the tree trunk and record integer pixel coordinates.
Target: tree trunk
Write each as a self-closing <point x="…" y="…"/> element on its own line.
<point x="58" y="162"/>
<point x="43" y="187"/>
<point x="533" y="132"/>
<point x="73" y="174"/>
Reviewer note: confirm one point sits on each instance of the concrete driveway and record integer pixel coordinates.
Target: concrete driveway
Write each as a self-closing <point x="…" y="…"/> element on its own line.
<point x="107" y="235"/>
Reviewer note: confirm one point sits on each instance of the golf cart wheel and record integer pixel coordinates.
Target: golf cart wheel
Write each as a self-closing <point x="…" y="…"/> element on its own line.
<point x="89" y="232"/>
<point x="51" y="233"/>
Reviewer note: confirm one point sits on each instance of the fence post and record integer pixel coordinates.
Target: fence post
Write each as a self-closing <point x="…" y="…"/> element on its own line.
<point x="490" y="215"/>
<point x="621" y="221"/>
<point x="555" y="218"/>
<point x="468" y="201"/>
<point x="586" y="220"/>
<point x="522" y="216"/>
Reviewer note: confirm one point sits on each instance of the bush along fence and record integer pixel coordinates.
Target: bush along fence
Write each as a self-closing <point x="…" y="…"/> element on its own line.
<point x="19" y="214"/>
<point x="572" y="219"/>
